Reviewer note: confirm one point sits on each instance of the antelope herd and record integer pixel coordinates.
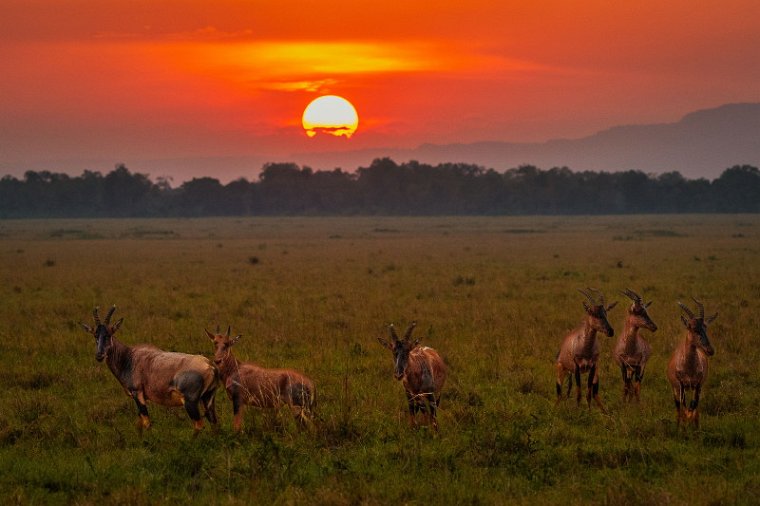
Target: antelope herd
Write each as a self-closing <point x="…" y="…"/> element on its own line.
<point x="178" y="379"/>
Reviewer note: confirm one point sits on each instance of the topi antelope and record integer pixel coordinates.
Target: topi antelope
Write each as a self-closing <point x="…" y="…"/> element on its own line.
<point x="632" y="351"/>
<point x="421" y="370"/>
<point x="150" y="374"/>
<point x="247" y="383"/>
<point x="687" y="369"/>
<point x="579" y="352"/>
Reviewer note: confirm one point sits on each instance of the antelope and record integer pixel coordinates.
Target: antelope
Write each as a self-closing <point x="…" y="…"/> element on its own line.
<point x="421" y="371"/>
<point x="579" y="352"/>
<point x="687" y="369"/>
<point x="248" y="383"/>
<point x="633" y="351"/>
<point x="149" y="374"/>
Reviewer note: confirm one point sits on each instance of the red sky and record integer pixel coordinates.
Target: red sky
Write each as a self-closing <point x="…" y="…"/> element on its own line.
<point x="162" y="84"/>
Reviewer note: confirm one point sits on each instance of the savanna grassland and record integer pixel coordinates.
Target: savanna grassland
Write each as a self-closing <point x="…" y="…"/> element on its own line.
<point x="495" y="296"/>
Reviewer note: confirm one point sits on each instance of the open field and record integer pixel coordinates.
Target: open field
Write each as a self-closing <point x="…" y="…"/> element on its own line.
<point x="494" y="295"/>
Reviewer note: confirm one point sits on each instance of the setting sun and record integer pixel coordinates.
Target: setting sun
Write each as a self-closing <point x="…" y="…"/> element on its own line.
<point x="330" y="114"/>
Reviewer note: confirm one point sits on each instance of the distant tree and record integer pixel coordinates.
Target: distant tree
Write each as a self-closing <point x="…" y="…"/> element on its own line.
<point x="203" y="196"/>
<point x="126" y="193"/>
<point x="737" y="190"/>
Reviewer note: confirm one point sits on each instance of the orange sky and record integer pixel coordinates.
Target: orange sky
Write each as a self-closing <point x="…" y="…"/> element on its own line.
<point x="153" y="83"/>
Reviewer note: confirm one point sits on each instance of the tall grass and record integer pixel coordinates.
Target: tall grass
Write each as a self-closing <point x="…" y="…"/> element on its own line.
<point x="495" y="297"/>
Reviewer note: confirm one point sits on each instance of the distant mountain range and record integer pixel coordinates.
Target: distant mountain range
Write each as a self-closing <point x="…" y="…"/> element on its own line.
<point x="701" y="144"/>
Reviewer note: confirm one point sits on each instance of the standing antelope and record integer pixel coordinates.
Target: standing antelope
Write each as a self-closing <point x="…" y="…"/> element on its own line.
<point x="421" y="370"/>
<point x="687" y="369"/>
<point x="579" y="352"/>
<point x="247" y="383"/>
<point x="150" y="374"/>
<point x="632" y="351"/>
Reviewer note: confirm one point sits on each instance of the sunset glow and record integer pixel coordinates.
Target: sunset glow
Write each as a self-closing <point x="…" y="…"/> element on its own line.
<point x="88" y="84"/>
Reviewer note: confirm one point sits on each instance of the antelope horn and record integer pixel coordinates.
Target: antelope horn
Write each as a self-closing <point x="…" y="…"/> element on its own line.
<point x="408" y="334"/>
<point x="700" y="308"/>
<point x="217" y="329"/>
<point x="96" y="316"/>
<point x="392" y="330"/>
<point x="587" y="295"/>
<point x="686" y="310"/>
<point x="110" y="314"/>
<point x="632" y="295"/>
<point x="601" y="295"/>
<point x="229" y="328"/>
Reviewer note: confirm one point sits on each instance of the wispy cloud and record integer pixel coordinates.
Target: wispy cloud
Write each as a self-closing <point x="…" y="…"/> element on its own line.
<point x="315" y="66"/>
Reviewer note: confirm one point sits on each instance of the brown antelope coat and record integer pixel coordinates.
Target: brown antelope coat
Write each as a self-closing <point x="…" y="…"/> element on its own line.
<point x="632" y="351"/>
<point x="421" y="371"/>
<point x="688" y="367"/>
<point x="149" y="374"/>
<point x="248" y="383"/>
<point x="579" y="352"/>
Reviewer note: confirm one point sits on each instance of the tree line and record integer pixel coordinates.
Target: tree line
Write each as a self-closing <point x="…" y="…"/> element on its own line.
<point x="383" y="188"/>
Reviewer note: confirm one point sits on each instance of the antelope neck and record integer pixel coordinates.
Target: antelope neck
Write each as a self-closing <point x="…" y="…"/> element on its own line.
<point x="119" y="361"/>
<point x="630" y="333"/>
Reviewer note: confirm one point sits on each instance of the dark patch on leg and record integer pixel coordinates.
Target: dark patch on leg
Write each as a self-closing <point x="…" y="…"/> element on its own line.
<point x="142" y="409"/>
<point x="192" y="410"/>
<point x="190" y="384"/>
<point x="299" y="394"/>
<point x="209" y="405"/>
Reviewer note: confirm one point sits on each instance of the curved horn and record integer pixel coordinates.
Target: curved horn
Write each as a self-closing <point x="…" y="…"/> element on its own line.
<point x="601" y="295"/>
<point x="110" y="314"/>
<point x="635" y="297"/>
<point x="587" y="295"/>
<point x="229" y="328"/>
<point x="408" y="334"/>
<point x="96" y="316"/>
<point x="700" y="308"/>
<point x="392" y="331"/>
<point x="686" y="310"/>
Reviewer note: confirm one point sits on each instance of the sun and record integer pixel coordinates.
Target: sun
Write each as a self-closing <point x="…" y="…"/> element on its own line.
<point x="330" y="114"/>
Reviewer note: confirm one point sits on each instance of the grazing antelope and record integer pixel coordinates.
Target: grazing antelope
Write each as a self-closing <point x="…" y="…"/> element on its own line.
<point x="247" y="383"/>
<point x="422" y="372"/>
<point x="687" y="369"/>
<point x="579" y="352"/>
<point x="632" y="351"/>
<point x="150" y="374"/>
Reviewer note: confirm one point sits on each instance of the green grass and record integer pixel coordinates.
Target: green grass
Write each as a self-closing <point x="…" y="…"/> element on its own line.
<point x="495" y="296"/>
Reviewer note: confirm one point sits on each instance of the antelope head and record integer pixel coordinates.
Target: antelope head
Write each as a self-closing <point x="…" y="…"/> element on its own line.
<point x="103" y="331"/>
<point x="222" y="344"/>
<point x="400" y="348"/>
<point x="697" y="324"/>
<point x="596" y="311"/>
<point x="637" y="313"/>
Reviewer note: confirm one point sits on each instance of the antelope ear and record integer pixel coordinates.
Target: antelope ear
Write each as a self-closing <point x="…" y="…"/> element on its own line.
<point x="612" y="305"/>
<point x="235" y="339"/>
<point x="209" y="334"/>
<point x="710" y="319"/>
<point x="685" y="321"/>
<point x="415" y="344"/>
<point x="86" y="327"/>
<point x="385" y="343"/>
<point x="117" y="325"/>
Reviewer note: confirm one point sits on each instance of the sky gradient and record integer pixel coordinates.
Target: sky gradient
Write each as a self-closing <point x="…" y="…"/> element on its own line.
<point x="164" y="85"/>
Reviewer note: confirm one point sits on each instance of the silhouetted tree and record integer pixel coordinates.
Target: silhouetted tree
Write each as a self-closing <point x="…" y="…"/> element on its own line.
<point x="385" y="187"/>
